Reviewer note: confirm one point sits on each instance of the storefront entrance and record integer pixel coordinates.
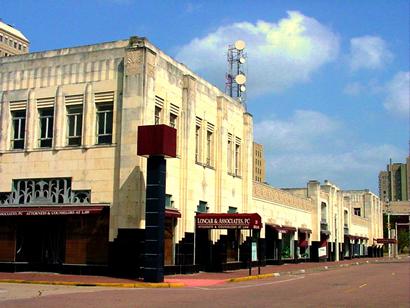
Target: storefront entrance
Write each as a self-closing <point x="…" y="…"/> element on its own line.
<point x="40" y="240"/>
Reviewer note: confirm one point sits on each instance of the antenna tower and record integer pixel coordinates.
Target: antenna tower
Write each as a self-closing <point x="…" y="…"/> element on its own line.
<point x="235" y="85"/>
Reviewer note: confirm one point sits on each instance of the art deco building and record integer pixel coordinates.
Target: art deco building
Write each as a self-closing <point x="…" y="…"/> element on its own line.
<point x="12" y="41"/>
<point x="259" y="167"/>
<point x="73" y="189"/>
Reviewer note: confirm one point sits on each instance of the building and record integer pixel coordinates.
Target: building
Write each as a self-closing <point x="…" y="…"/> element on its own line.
<point x="72" y="187"/>
<point x="394" y="183"/>
<point x="12" y="41"/>
<point x="259" y="167"/>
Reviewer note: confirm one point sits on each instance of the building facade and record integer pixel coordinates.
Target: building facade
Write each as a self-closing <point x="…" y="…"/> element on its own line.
<point x="394" y="182"/>
<point x="259" y="164"/>
<point x="12" y="41"/>
<point x="72" y="187"/>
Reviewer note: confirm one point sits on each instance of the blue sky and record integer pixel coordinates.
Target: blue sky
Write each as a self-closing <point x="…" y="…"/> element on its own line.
<point x="328" y="80"/>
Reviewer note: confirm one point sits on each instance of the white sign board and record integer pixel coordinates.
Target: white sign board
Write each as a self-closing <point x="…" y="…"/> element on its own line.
<point x="322" y="251"/>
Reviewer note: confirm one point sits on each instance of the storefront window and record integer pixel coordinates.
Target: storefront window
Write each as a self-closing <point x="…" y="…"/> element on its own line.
<point x="288" y="247"/>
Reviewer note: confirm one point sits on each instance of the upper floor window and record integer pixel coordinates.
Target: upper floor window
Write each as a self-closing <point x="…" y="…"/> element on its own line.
<point x="357" y="211"/>
<point x="18" y="129"/>
<point x="209" y="148"/>
<point x="197" y="143"/>
<point x="229" y="153"/>
<point x="46" y="116"/>
<point x="237" y="158"/>
<point x="157" y="119"/>
<point x="74" y="125"/>
<point x="173" y="120"/>
<point x="104" y="123"/>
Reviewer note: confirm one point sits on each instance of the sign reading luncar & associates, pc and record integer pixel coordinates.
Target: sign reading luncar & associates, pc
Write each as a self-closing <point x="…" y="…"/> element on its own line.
<point x="228" y="221"/>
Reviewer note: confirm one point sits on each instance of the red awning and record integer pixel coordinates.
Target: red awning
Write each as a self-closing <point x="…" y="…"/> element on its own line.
<point x="51" y="210"/>
<point x="282" y="229"/>
<point x="174" y="213"/>
<point x="228" y="221"/>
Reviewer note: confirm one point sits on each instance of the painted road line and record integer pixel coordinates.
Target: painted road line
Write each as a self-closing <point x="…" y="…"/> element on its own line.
<point x="230" y="287"/>
<point x="363" y="285"/>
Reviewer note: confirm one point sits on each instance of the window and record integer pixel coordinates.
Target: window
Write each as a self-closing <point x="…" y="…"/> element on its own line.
<point x="18" y="129"/>
<point x="46" y="116"/>
<point x="173" y="120"/>
<point x="232" y="210"/>
<point x="104" y="123"/>
<point x="237" y="159"/>
<point x="197" y="143"/>
<point x="209" y="148"/>
<point x="157" y="115"/>
<point x="357" y="211"/>
<point x="74" y="125"/>
<point x="229" y="153"/>
<point x="202" y="207"/>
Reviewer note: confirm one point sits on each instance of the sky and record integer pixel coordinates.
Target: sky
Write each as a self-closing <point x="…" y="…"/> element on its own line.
<point x="327" y="81"/>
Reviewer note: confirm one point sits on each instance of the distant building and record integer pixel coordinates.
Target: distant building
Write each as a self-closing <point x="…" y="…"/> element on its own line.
<point x="394" y="183"/>
<point x="259" y="166"/>
<point x="12" y="41"/>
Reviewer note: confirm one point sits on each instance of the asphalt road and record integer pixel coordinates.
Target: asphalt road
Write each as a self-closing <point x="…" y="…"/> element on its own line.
<point x="370" y="285"/>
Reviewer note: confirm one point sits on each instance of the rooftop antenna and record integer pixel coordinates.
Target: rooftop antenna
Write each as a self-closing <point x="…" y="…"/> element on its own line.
<point x="235" y="85"/>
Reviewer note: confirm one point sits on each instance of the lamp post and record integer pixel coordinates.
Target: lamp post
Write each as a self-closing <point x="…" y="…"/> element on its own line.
<point x="336" y="240"/>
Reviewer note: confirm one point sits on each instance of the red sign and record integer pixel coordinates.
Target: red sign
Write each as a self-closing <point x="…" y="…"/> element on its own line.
<point x="158" y="140"/>
<point x="50" y="210"/>
<point x="228" y="221"/>
<point x="386" y="241"/>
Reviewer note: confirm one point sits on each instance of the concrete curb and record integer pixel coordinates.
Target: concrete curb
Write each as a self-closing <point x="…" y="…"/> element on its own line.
<point x="98" y="284"/>
<point x="253" y="277"/>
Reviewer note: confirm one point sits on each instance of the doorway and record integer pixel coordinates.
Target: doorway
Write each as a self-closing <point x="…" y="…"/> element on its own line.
<point x="41" y="240"/>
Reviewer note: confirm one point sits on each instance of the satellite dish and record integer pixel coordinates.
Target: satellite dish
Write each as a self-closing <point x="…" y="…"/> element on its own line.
<point x="242" y="60"/>
<point x="242" y="88"/>
<point x="239" y="44"/>
<point x="240" y="79"/>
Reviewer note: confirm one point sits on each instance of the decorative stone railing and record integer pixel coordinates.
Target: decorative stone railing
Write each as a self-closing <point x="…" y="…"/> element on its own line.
<point x="268" y="193"/>
<point x="44" y="192"/>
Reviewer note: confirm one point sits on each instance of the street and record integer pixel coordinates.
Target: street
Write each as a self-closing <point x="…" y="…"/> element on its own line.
<point x="372" y="285"/>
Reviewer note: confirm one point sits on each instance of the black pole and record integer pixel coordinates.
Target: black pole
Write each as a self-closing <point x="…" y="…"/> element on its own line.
<point x="258" y="252"/>
<point x="250" y="253"/>
<point x="155" y="219"/>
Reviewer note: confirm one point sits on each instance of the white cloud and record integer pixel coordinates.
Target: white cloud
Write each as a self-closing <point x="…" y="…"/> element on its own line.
<point x="296" y="133"/>
<point x="279" y="54"/>
<point x="369" y="52"/>
<point x="398" y="95"/>
<point x="353" y="89"/>
<point x="311" y="145"/>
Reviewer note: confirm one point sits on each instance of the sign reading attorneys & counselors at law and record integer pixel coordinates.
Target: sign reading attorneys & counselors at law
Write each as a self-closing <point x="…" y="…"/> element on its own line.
<point x="228" y="221"/>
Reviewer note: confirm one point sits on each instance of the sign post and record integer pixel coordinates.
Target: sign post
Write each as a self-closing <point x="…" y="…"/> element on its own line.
<point x="156" y="142"/>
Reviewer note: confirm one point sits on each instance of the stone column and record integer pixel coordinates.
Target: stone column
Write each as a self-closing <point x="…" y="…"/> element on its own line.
<point x="89" y="117"/>
<point x="4" y="124"/>
<point x="31" y="121"/>
<point x="59" y="133"/>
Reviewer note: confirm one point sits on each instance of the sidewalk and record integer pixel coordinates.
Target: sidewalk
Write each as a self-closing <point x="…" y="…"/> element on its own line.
<point x="189" y="280"/>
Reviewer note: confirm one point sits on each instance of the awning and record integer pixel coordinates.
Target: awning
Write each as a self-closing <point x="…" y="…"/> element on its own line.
<point x="51" y="210"/>
<point x="173" y="213"/>
<point x="304" y="230"/>
<point x="228" y="221"/>
<point x="282" y="229"/>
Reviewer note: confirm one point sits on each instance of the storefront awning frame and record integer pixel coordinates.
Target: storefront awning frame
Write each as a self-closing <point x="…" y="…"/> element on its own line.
<point x="51" y="210"/>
